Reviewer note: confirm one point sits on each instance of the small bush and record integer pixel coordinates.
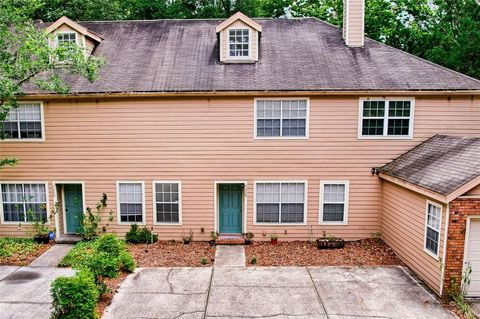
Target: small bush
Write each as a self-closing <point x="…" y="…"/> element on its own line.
<point x="140" y="235"/>
<point x="80" y="254"/>
<point x="254" y="260"/>
<point x="127" y="263"/>
<point x="204" y="261"/>
<point x="74" y="297"/>
<point x="110" y="244"/>
<point x="104" y="265"/>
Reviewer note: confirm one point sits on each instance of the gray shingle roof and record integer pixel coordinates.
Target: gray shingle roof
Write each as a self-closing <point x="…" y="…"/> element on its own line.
<point x="295" y="55"/>
<point x="441" y="164"/>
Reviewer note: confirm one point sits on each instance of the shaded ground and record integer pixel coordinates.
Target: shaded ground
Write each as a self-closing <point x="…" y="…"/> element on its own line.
<point x="25" y="291"/>
<point x="366" y="252"/>
<point x="274" y="292"/>
<point x="20" y="251"/>
<point x="172" y="254"/>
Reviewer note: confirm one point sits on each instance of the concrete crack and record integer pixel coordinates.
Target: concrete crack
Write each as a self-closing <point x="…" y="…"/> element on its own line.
<point x="318" y="295"/>
<point x="208" y="293"/>
<point x="168" y="280"/>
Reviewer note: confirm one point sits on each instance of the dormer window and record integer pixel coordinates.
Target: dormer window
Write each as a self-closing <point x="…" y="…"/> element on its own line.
<point x="239" y="39"/>
<point x="66" y="38"/>
<point x="239" y="43"/>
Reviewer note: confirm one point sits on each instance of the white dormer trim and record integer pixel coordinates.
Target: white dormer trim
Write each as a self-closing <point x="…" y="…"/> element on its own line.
<point x="74" y="26"/>
<point x="238" y="16"/>
<point x="250" y="34"/>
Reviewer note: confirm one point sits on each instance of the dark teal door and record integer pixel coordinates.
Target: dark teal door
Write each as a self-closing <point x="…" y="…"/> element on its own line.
<point x="230" y="203"/>
<point x="73" y="207"/>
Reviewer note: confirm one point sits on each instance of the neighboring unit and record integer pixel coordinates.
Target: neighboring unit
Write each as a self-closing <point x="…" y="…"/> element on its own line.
<point x="269" y="126"/>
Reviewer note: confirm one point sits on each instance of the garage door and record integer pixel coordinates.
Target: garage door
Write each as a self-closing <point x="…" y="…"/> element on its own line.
<point x="473" y="256"/>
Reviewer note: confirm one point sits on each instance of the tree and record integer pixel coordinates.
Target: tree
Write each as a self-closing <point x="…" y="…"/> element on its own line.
<point x="27" y="57"/>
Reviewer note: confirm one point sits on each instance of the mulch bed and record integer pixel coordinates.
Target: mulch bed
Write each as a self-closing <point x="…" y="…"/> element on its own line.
<point x="112" y="284"/>
<point x="172" y="254"/>
<point x="25" y="258"/>
<point x="365" y="252"/>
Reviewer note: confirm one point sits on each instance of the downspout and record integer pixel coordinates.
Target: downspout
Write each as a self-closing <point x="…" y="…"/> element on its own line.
<point x="445" y="242"/>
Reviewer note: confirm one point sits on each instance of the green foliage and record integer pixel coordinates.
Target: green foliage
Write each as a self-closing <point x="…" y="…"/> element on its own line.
<point x="143" y="235"/>
<point x="27" y="56"/>
<point x="459" y="293"/>
<point x="253" y="261"/>
<point x="78" y="256"/>
<point x="19" y="246"/>
<point x="74" y="297"/>
<point x="104" y="257"/>
<point x="90" y="223"/>
<point x="203" y="261"/>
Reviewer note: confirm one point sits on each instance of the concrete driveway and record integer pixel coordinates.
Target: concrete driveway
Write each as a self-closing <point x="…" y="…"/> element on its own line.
<point x="25" y="291"/>
<point x="274" y="292"/>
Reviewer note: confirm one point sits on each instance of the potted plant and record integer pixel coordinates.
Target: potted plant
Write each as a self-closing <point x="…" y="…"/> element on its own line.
<point x="248" y="238"/>
<point x="330" y="242"/>
<point x="188" y="239"/>
<point x="274" y="239"/>
<point x="213" y="236"/>
<point x="40" y="231"/>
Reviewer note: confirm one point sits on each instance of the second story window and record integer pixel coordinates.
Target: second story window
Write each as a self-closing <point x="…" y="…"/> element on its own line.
<point x="239" y="43"/>
<point x="281" y="118"/>
<point x="66" y="38"/>
<point x="386" y="118"/>
<point x="24" y="122"/>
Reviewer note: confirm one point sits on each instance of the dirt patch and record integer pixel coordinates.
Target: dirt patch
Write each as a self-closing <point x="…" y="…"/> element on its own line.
<point x="172" y="254"/>
<point x="366" y="252"/>
<point x="23" y="257"/>
<point x="112" y="284"/>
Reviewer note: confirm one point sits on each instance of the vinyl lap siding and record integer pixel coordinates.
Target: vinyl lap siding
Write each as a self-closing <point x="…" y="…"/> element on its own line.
<point x="202" y="140"/>
<point x="403" y="228"/>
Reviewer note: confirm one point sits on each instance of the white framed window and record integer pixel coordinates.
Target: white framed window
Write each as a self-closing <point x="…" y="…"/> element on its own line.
<point x="24" y="123"/>
<point x="66" y="37"/>
<point x="433" y="224"/>
<point x="24" y="202"/>
<point x="167" y="202"/>
<point x="239" y="43"/>
<point x="334" y="197"/>
<point x="131" y="202"/>
<point x="386" y="118"/>
<point x="280" y="202"/>
<point x="281" y="118"/>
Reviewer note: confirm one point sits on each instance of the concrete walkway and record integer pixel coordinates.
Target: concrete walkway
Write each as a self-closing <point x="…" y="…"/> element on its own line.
<point x="229" y="256"/>
<point x="52" y="257"/>
<point x="274" y="292"/>
<point x="25" y="291"/>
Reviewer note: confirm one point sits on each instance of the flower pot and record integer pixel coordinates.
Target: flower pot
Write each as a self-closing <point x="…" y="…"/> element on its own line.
<point x="248" y="241"/>
<point x="212" y="242"/>
<point x="186" y="241"/>
<point x="41" y="239"/>
<point x="330" y="243"/>
<point x="274" y="241"/>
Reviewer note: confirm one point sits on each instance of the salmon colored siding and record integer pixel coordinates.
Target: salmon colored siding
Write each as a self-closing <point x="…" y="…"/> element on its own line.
<point x="473" y="192"/>
<point x="403" y="228"/>
<point x="202" y="140"/>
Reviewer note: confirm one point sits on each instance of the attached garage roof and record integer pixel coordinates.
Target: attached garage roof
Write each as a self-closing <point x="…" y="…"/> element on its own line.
<point x="303" y="54"/>
<point x="442" y="164"/>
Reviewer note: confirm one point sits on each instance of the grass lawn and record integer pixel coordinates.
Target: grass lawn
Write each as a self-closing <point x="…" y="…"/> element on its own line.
<point x="20" y="251"/>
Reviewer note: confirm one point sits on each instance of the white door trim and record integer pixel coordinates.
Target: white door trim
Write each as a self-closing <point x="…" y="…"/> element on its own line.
<point x="216" y="218"/>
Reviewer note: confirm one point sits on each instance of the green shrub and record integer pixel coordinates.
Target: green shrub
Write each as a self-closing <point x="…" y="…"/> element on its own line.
<point x="79" y="256"/>
<point x="104" y="265"/>
<point x="140" y="235"/>
<point x="110" y="244"/>
<point x="18" y="246"/>
<point x="74" y="297"/>
<point x="127" y="263"/>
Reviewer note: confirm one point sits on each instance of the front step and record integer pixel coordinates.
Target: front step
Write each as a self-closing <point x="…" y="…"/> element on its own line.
<point x="68" y="239"/>
<point x="230" y="239"/>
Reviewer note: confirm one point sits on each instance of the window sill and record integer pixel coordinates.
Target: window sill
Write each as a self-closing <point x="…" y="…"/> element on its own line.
<point x="131" y="223"/>
<point x="333" y="223"/>
<point x="383" y="137"/>
<point x="281" y="137"/>
<point x="239" y="61"/>
<point x="167" y="224"/>
<point x="23" y="140"/>
<point x="279" y="224"/>
<point x="431" y="254"/>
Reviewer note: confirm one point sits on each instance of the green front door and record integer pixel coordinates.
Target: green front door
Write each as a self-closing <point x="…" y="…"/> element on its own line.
<point x="230" y="203"/>
<point x="73" y="207"/>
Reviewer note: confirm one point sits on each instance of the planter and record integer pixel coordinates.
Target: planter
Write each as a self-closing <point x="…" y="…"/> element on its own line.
<point x="41" y="239"/>
<point x="187" y="241"/>
<point x="330" y="243"/>
<point x="248" y="241"/>
<point x="212" y="242"/>
<point x="274" y="241"/>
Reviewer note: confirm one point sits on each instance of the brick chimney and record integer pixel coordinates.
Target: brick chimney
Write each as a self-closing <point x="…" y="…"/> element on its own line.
<point x="354" y="22"/>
